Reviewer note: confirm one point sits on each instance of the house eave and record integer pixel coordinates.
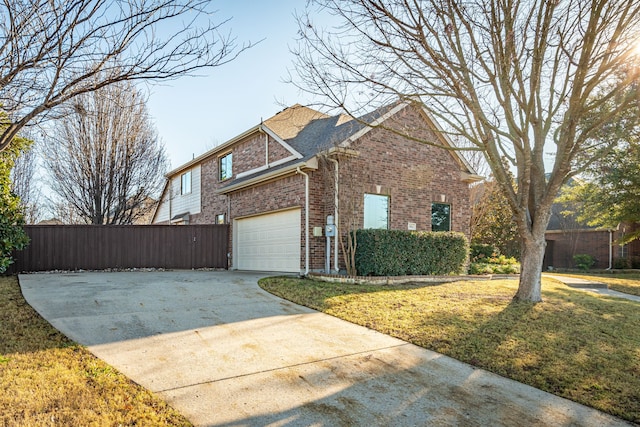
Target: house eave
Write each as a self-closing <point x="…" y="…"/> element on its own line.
<point x="579" y="230"/>
<point x="311" y="163"/>
<point x="214" y="151"/>
<point x="470" y="178"/>
<point x="340" y="152"/>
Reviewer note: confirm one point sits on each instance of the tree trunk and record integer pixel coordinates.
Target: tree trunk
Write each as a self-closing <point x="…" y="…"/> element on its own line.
<point x="529" y="288"/>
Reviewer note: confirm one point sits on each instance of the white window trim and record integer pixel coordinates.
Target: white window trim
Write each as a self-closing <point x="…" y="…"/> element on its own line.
<point x="220" y="157"/>
<point x="182" y="189"/>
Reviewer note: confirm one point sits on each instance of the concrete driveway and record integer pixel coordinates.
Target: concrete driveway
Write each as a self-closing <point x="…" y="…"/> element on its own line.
<point x="225" y="353"/>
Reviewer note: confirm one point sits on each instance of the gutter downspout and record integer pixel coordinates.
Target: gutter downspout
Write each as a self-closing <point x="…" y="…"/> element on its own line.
<point x="610" y="249"/>
<point x="170" y="198"/>
<point x="266" y="149"/>
<point x="335" y="215"/>
<point x="306" y="220"/>
<point x="230" y="236"/>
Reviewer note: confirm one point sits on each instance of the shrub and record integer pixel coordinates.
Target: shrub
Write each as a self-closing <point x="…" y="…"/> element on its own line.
<point x="495" y="265"/>
<point x="621" y="263"/>
<point x="481" y="251"/>
<point x="12" y="236"/>
<point x="584" y="261"/>
<point x="399" y="253"/>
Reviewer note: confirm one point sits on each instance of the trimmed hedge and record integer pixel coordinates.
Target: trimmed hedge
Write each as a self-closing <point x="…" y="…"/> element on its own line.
<point x="403" y="253"/>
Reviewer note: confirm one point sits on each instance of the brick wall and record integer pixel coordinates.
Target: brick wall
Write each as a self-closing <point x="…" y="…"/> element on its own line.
<point x="277" y="151"/>
<point x="251" y="153"/>
<point x="412" y="174"/>
<point x="212" y="203"/>
<point x="562" y="246"/>
<point x="283" y="193"/>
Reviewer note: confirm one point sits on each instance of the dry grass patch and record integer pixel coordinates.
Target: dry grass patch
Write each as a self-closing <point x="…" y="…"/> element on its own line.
<point x="575" y="344"/>
<point x="46" y="379"/>
<point x="628" y="283"/>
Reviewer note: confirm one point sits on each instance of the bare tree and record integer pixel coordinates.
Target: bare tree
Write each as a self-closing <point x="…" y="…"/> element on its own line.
<point x="54" y="50"/>
<point x="64" y="213"/>
<point x="108" y="161"/>
<point x="24" y="183"/>
<point x="333" y="164"/>
<point x="515" y="78"/>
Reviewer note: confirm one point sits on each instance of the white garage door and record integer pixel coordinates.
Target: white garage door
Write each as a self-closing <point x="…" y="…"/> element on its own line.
<point x="269" y="242"/>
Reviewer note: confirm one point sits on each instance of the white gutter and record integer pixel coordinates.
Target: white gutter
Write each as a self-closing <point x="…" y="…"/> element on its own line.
<point x="310" y="164"/>
<point x="306" y="220"/>
<point x="335" y="215"/>
<point x="610" y="249"/>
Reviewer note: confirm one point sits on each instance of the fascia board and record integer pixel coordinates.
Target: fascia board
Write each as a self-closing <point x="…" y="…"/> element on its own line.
<point x="369" y="127"/>
<point x="309" y="164"/>
<point x="280" y="141"/>
<point x="213" y="151"/>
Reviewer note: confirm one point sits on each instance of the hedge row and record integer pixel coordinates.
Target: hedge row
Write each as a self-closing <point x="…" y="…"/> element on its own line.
<point x="401" y="253"/>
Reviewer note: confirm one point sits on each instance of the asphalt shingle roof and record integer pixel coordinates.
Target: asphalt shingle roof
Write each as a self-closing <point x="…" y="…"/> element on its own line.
<point x="309" y="131"/>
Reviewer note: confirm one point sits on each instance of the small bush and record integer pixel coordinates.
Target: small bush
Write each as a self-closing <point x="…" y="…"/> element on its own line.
<point x="481" y="251"/>
<point x="584" y="261"/>
<point x="621" y="263"/>
<point x="400" y="253"/>
<point x="496" y="265"/>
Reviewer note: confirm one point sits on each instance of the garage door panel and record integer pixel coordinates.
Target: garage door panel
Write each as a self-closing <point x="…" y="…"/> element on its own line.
<point x="269" y="242"/>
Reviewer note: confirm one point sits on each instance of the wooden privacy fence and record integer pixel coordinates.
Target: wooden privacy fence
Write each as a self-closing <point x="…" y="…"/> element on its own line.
<point x="99" y="247"/>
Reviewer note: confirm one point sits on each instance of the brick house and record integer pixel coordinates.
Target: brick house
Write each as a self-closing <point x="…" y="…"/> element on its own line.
<point x="276" y="183"/>
<point x="566" y="237"/>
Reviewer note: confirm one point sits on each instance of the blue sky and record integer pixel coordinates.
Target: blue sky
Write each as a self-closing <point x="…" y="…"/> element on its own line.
<point x="194" y="114"/>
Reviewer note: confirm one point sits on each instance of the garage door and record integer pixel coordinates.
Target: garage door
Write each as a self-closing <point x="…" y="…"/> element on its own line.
<point x="268" y="242"/>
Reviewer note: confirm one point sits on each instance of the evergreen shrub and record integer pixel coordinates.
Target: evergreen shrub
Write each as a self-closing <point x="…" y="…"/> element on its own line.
<point x="401" y="253"/>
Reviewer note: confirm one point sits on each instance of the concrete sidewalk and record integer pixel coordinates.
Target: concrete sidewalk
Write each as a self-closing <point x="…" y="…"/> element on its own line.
<point x="225" y="353"/>
<point x="591" y="286"/>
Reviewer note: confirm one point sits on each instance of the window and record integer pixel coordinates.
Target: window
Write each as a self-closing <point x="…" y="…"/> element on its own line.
<point x="185" y="183"/>
<point x="440" y="217"/>
<point x="226" y="166"/>
<point x="220" y="219"/>
<point x="376" y="211"/>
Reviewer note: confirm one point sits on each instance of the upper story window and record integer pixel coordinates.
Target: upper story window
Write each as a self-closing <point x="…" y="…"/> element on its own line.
<point x="185" y="183"/>
<point x="376" y="211"/>
<point x="225" y="166"/>
<point x="440" y="217"/>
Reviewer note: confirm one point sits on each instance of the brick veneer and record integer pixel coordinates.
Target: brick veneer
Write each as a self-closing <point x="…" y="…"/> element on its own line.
<point x="562" y="246"/>
<point x="413" y="174"/>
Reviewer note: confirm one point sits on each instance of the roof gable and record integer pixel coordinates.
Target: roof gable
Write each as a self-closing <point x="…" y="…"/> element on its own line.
<point x="305" y="132"/>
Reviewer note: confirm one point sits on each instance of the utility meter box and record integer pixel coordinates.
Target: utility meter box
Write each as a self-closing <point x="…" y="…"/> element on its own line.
<point x="330" y="228"/>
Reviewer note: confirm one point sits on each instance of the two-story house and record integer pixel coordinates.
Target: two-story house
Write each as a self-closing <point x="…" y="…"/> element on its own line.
<point x="276" y="183"/>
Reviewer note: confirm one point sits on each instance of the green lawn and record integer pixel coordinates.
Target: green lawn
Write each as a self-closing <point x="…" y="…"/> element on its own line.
<point x="575" y="344"/>
<point x="622" y="282"/>
<point x="48" y="380"/>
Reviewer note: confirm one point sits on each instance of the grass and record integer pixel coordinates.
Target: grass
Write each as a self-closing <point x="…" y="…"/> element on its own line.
<point x="574" y="344"/>
<point x="628" y="283"/>
<point x="46" y="379"/>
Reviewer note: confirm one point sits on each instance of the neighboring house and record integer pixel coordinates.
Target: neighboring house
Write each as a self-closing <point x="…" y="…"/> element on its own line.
<point x="276" y="183"/>
<point x="50" y="221"/>
<point x="141" y="214"/>
<point x="566" y="237"/>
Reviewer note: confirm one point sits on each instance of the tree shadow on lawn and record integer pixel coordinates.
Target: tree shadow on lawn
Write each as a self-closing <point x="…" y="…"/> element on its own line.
<point x="574" y="344"/>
